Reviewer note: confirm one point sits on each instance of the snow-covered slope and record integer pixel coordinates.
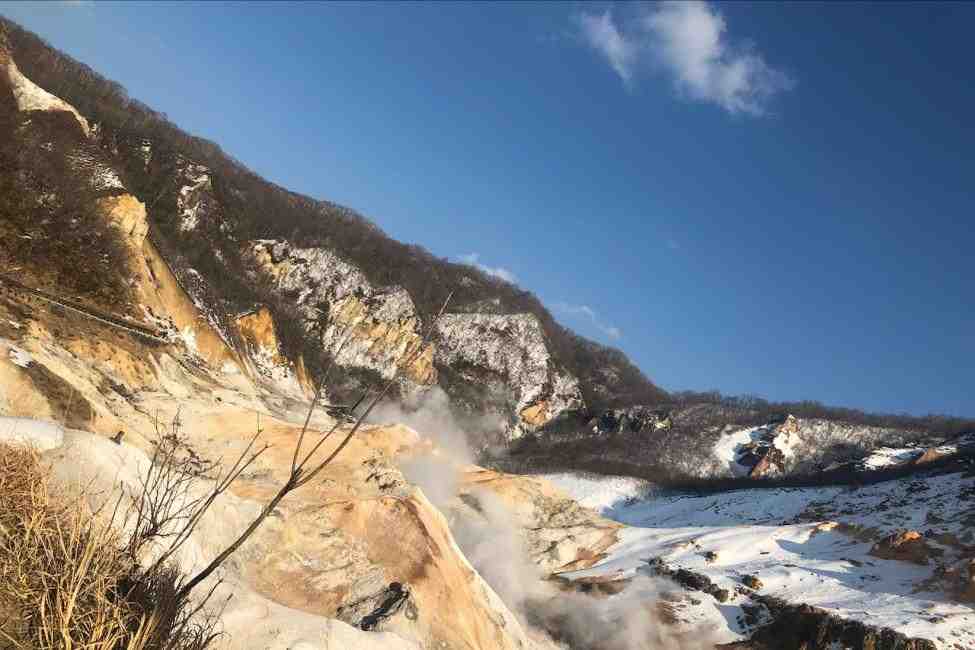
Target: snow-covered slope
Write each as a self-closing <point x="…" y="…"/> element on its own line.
<point x="601" y="493"/>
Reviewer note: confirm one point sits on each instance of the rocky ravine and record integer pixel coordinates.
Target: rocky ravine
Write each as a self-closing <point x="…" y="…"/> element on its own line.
<point x="365" y="558"/>
<point x="360" y="559"/>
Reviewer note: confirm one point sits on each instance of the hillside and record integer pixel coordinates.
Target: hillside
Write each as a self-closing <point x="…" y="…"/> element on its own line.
<point x="201" y="201"/>
<point x="331" y="286"/>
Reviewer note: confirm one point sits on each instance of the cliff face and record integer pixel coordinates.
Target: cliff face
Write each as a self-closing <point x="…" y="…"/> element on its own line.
<point x="501" y="360"/>
<point x="334" y="284"/>
<point x="362" y="559"/>
<point x="158" y="296"/>
<point x="260" y="339"/>
<point x="507" y="355"/>
<point x="495" y="363"/>
<point x="359" y="325"/>
<point x="30" y="97"/>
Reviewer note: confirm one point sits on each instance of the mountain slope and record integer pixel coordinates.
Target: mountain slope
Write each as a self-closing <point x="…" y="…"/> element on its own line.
<point x="332" y="286"/>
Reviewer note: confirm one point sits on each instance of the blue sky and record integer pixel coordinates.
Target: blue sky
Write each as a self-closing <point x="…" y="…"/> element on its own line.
<point x="761" y="198"/>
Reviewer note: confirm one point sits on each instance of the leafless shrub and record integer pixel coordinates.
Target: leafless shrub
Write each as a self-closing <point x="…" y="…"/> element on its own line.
<point x="166" y="500"/>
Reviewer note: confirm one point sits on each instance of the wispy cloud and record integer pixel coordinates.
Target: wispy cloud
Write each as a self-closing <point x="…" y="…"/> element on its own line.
<point x="689" y="41"/>
<point x="473" y="259"/>
<point x="601" y="33"/>
<point x="589" y="313"/>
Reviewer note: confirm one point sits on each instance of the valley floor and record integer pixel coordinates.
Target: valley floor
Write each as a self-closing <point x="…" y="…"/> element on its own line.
<point x="804" y="545"/>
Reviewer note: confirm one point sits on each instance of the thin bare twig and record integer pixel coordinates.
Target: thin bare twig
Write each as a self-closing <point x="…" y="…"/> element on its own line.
<point x="299" y="475"/>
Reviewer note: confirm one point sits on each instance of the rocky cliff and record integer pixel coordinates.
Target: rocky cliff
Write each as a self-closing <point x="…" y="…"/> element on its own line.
<point x="357" y="324"/>
<point x="506" y="356"/>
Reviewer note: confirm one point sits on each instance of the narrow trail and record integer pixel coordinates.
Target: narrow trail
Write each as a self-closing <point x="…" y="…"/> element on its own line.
<point x="9" y="286"/>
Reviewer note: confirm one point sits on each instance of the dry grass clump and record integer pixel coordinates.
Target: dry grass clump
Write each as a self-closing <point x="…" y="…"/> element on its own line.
<point x="66" y="582"/>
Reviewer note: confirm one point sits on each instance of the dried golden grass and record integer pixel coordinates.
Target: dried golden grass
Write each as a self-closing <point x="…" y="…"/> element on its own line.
<point x="61" y="571"/>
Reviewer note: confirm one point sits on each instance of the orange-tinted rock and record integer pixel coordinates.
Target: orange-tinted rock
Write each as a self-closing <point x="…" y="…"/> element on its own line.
<point x="929" y="456"/>
<point x="906" y="546"/>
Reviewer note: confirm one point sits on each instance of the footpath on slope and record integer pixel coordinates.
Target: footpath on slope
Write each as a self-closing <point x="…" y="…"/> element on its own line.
<point x="8" y="285"/>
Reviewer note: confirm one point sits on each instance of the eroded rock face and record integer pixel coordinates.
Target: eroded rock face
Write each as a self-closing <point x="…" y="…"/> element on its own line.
<point x="378" y="328"/>
<point x="195" y="198"/>
<point x="128" y="214"/>
<point x="508" y="353"/>
<point x="161" y="299"/>
<point x="361" y="326"/>
<point x="379" y="340"/>
<point x="258" y="332"/>
<point x="765" y="456"/>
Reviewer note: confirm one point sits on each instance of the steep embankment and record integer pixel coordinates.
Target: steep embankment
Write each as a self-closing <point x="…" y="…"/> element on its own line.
<point x="360" y="559"/>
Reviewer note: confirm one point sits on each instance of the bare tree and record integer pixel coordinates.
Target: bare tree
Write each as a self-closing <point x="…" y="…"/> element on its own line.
<point x="305" y="467"/>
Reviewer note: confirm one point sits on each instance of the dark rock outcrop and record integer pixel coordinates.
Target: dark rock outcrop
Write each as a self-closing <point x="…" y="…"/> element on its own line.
<point x="687" y="579"/>
<point x="804" y="627"/>
<point x="371" y="612"/>
<point x="793" y="626"/>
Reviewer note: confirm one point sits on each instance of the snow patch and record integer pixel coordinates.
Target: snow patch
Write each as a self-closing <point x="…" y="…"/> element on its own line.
<point x="31" y="97"/>
<point x="188" y="201"/>
<point x="731" y="448"/>
<point x="891" y="457"/>
<point x="40" y="434"/>
<point x="727" y="449"/>
<point x="105" y="178"/>
<point x="20" y="357"/>
<point x="601" y="493"/>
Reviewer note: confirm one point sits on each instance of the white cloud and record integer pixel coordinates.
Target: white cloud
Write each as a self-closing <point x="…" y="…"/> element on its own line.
<point x="589" y="313"/>
<point x="689" y="41"/>
<point x="472" y="259"/>
<point x="601" y="33"/>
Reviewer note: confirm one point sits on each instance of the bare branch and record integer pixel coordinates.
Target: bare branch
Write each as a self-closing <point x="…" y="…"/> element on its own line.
<point x="299" y="476"/>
